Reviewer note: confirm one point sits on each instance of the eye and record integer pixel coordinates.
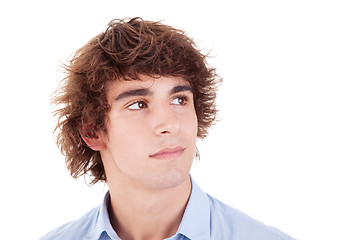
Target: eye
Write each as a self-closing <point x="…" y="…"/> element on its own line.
<point x="181" y="100"/>
<point x="137" y="105"/>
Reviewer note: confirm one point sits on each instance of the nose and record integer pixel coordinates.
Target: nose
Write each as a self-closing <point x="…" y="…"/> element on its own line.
<point x="166" y="121"/>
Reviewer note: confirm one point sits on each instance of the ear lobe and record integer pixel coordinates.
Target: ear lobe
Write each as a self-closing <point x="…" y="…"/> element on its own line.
<point x="92" y="139"/>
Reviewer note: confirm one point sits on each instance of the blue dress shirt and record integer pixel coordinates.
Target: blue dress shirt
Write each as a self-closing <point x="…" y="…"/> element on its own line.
<point x="205" y="218"/>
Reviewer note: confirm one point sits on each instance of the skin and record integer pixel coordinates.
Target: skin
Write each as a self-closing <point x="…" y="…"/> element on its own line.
<point x="147" y="155"/>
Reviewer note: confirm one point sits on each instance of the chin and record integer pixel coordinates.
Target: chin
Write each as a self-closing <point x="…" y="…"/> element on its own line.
<point x="170" y="179"/>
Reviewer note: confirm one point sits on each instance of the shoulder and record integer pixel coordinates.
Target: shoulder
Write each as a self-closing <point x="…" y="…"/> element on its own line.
<point x="228" y="220"/>
<point x="75" y="230"/>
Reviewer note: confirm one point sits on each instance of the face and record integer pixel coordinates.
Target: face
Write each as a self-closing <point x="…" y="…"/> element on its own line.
<point x="151" y="132"/>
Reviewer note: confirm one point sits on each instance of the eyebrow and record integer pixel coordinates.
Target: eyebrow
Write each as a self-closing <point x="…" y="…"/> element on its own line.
<point x="134" y="92"/>
<point x="181" y="88"/>
<point x="147" y="92"/>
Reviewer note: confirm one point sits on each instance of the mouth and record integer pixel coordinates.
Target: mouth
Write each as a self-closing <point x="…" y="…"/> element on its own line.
<point x="169" y="153"/>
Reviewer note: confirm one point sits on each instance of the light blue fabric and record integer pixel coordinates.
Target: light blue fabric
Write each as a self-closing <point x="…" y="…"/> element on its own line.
<point x="205" y="218"/>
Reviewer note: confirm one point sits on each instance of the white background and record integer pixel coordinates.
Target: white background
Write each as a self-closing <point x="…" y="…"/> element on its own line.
<point x="286" y="150"/>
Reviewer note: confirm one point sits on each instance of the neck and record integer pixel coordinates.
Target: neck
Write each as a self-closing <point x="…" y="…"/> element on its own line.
<point x="139" y="213"/>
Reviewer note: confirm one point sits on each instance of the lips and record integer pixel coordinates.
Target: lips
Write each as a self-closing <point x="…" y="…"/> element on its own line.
<point x="169" y="153"/>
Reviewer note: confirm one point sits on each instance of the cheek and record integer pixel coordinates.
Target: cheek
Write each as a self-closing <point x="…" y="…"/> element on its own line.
<point x="123" y="125"/>
<point x="126" y="136"/>
<point x="127" y="148"/>
<point x="193" y="121"/>
<point x="190" y="125"/>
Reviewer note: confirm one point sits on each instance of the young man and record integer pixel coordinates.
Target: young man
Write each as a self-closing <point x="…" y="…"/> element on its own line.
<point x="135" y="100"/>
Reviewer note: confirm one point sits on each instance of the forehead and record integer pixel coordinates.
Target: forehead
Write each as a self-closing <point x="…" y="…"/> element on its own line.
<point x="156" y="85"/>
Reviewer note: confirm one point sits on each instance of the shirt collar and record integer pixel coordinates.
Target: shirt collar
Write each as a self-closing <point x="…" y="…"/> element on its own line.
<point x="195" y="223"/>
<point x="103" y="224"/>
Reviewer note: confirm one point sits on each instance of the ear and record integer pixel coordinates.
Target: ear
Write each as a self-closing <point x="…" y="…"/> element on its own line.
<point x="92" y="138"/>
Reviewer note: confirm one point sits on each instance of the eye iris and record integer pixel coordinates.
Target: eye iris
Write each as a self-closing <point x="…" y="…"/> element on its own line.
<point x="181" y="100"/>
<point x="141" y="104"/>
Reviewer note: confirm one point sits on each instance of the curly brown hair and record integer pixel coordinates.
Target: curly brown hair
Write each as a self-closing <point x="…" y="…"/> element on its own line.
<point x="127" y="49"/>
